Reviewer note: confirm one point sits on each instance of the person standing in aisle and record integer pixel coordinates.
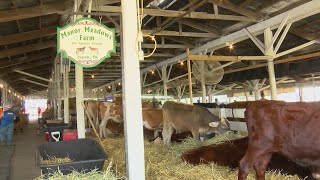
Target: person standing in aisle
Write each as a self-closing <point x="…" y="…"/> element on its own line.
<point x="7" y="118"/>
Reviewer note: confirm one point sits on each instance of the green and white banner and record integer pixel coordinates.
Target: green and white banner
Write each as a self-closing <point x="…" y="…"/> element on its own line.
<point x="86" y="42"/>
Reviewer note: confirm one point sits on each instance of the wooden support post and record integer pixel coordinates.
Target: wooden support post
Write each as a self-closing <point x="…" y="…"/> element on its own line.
<point x="58" y="87"/>
<point x="66" y="112"/>
<point x="79" y="90"/>
<point x="164" y="80"/>
<point x="300" y="86"/>
<point x="189" y="76"/>
<point x="203" y="92"/>
<point x="272" y="78"/>
<point x="55" y="78"/>
<point x="132" y="111"/>
<point x="113" y="90"/>
<point x="179" y="92"/>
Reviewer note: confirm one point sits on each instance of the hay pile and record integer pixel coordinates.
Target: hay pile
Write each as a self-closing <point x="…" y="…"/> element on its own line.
<point x="166" y="164"/>
<point x="48" y="113"/>
<point x="92" y="175"/>
<point x="55" y="160"/>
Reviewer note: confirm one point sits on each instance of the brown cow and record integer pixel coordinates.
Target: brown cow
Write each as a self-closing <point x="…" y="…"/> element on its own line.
<point x="109" y="110"/>
<point x="290" y="129"/>
<point x="230" y="153"/>
<point x="185" y="117"/>
<point x="152" y="119"/>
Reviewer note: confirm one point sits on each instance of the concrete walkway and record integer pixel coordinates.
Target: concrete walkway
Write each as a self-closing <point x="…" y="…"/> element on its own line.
<point x="23" y="161"/>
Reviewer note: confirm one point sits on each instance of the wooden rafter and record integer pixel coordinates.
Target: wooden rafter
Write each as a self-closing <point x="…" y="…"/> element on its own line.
<point x="24" y="36"/>
<point x="25" y="59"/>
<point x="35" y="11"/>
<point x="202" y="27"/>
<point x="27" y="48"/>
<point x="173" y="13"/>
<point x="255" y="16"/>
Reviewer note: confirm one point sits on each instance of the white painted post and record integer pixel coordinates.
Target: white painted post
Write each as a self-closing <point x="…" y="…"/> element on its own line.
<point x="270" y="52"/>
<point x="164" y="80"/>
<point x="4" y="94"/>
<point x="257" y="95"/>
<point x="66" y="90"/>
<point x="246" y="93"/>
<point x="203" y="85"/>
<point x="179" y="92"/>
<point x="79" y="91"/>
<point x="300" y="86"/>
<point x="132" y="110"/>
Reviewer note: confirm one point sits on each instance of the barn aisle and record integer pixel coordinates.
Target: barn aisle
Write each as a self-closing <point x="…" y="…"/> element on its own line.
<point x="23" y="160"/>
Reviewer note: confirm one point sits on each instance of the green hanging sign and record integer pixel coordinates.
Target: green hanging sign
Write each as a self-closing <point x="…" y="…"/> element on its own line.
<point x="86" y="42"/>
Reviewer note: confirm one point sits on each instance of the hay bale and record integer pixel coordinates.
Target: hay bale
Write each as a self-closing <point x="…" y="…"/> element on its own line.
<point x="164" y="163"/>
<point x="107" y="174"/>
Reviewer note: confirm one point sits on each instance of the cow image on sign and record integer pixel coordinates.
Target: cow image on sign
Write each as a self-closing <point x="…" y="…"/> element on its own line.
<point x="86" y="42"/>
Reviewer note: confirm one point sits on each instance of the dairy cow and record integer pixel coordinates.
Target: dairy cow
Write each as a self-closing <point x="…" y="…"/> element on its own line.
<point x="290" y="129"/>
<point x="152" y="119"/>
<point x="185" y="117"/>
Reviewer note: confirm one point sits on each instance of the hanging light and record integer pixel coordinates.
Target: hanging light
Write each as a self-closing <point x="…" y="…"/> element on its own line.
<point x="109" y="87"/>
<point x="101" y="89"/>
<point x="152" y="71"/>
<point x="230" y="45"/>
<point x="92" y="76"/>
<point x="119" y="83"/>
<point x="181" y="63"/>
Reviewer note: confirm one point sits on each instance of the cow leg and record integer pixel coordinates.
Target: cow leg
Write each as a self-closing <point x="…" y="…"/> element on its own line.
<point x="315" y="172"/>
<point x="248" y="161"/>
<point x="102" y="127"/>
<point x="166" y="134"/>
<point x="261" y="166"/>
<point x="195" y="134"/>
<point x="156" y="133"/>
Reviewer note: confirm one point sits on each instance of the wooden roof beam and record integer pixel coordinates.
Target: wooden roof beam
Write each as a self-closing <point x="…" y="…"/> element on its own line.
<point x="35" y="11"/>
<point x="181" y="34"/>
<point x="254" y="16"/>
<point x="174" y="13"/>
<point x="27" y="48"/>
<point x="304" y="34"/>
<point x="26" y="67"/>
<point x="199" y="26"/>
<point x="25" y="59"/>
<point x="24" y="36"/>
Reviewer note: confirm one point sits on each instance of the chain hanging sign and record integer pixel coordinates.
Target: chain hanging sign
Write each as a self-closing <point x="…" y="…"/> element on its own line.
<point x="86" y="42"/>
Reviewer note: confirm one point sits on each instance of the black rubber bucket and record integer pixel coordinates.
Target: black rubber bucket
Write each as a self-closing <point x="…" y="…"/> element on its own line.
<point x="86" y="155"/>
<point x="53" y="127"/>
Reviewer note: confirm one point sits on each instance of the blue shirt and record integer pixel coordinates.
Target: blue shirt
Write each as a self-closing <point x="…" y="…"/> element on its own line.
<point x="8" y="118"/>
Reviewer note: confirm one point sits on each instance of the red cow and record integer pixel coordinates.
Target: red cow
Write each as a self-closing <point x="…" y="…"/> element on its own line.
<point x="229" y="154"/>
<point x="290" y="129"/>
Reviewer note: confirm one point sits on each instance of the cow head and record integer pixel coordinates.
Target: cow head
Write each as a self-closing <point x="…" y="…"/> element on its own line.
<point x="220" y="127"/>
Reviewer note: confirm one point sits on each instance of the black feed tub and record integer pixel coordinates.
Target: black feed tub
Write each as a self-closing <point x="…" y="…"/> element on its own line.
<point x="86" y="155"/>
<point x="53" y="127"/>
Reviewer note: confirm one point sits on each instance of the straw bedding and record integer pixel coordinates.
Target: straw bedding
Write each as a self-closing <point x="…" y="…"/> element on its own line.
<point x="166" y="164"/>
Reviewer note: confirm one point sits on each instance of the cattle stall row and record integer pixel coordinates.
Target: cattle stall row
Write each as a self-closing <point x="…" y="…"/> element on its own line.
<point x="280" y="134"/>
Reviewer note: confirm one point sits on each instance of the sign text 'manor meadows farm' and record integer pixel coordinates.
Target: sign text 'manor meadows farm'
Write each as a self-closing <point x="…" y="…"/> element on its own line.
<point x="86" y="29"/>
<point x="86" y="42"/>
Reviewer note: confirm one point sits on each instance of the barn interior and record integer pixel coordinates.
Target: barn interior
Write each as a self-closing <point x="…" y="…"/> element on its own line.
<point x="251" y="46"/>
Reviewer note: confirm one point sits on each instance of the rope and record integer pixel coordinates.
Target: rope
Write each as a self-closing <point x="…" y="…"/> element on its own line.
<point x="152" y="37"/>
